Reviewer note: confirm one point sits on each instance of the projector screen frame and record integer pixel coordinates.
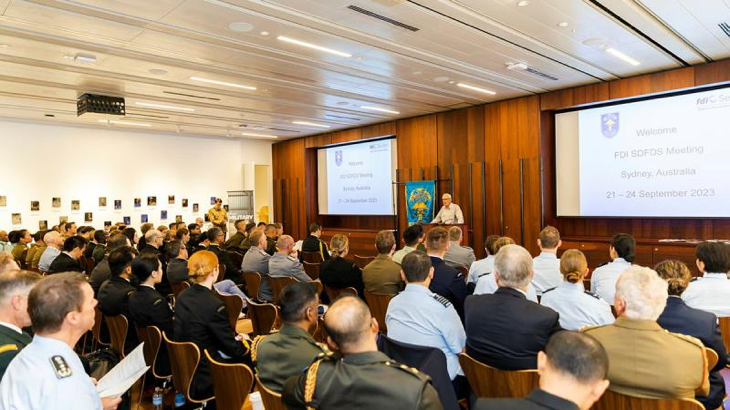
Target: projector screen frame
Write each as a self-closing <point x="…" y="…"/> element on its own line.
<point x="609" y="103"/>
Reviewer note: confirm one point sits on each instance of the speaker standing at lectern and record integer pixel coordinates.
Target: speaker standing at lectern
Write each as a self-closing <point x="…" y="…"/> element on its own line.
<point x="450" y="213"/>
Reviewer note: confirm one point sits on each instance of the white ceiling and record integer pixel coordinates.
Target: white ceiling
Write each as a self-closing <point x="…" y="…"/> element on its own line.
<point x="148" y="50"/>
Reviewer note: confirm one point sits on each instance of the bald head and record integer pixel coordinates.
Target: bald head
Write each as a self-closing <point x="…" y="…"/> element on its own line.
<point x="284" y="244"/>
<point x="350" y="326"/>
<point x="3" y="236"/>
<point x="53" y="239"/>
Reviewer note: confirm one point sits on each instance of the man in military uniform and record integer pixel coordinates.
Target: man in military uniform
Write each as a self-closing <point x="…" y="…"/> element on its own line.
<point x="48" y="374"/>
<point x="14" y="288"/>
<point x="363" y="377"/>
<point x="285" y="262"/>
<point x="217" y="237"/>
<point x="114" y="294"/>
<point x="38" y="246"/>
<point x="271" y="238"/>
<point x="234" y="242"/>
<point x="21" y="246"/>
<point x="219" y="216"/>
<point x="292" y="349"/>
<point x="313" y="243"/>
<point x="382" y="276"/>
<point x="637" y="346"/>
<point x="458" y="255"/>
<point x="257" y="260"/>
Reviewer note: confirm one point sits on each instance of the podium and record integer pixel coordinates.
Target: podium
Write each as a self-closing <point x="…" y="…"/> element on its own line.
<point x="464" y="230"/>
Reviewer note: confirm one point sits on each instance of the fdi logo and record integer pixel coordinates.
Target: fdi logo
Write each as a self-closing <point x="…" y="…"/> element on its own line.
<point x="338" y="158"/>
<point x="609" y="124"/>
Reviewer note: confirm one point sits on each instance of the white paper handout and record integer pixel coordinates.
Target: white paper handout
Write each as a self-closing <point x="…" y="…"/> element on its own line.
<point x="123" y="375"/>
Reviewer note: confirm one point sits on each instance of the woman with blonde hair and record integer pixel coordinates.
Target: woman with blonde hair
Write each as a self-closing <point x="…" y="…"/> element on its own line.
<point x="201" y="318"/>
<point x="577" y="307"/>
<point x="338" y="272"/>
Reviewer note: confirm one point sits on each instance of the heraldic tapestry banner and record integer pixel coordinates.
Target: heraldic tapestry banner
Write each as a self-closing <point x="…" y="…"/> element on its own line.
<point x="419" y="200"/>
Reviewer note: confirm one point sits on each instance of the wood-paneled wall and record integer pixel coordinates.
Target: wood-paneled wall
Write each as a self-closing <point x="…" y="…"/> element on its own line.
<point x="500" y="160"/>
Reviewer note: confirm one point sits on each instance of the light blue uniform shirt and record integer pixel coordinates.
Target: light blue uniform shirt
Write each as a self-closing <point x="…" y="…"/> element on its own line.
<point x="33" y="381"/>
<point x="47" y="258"/>
<point x="603" y="280"/>
<point x="710" y="293"/>
<point x="577" y="308"/>
<point x="480" y="267"/>
<point x="487" y="284"/>
<point x="547" y="272"/>
<point x="420" y="317"/>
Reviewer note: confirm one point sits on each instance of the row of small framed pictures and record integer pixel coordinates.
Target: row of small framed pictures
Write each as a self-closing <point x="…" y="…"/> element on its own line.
<point x="89" y="217"/>
<point x="76" y="204"/>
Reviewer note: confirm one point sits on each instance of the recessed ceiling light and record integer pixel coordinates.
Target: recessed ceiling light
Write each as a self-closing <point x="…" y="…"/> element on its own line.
<point x="367" y="107"/>
<point x="85" y="58"/>
<point x="240" y="27"/>
<point x="227" y="84"/>
<point x="441" y="79"/>
<point x="313" y="46"/>
<point x="523" y="3"/>
<point x="133" y="124"/>
<point x="622" y="56"/>
<point x="471" y="87"/>
<point x="157" y="71"/>
<point x="164" y="107"/>
<point x="249" y="134"/>
<point x="563" y="24"/>
<point x="265" y="33"/>
<point x="311" y="124"/>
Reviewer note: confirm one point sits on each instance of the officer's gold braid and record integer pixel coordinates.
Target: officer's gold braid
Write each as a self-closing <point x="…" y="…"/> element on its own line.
<point x="310" y="383"/>
<point x="255" y="347"/>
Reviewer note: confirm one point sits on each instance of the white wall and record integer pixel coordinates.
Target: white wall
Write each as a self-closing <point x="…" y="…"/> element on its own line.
<point x="43" y="161"/>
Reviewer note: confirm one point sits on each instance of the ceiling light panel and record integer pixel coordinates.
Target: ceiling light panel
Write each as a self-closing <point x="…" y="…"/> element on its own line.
<point x="618" y="54"/>
<point x="223" y="83"/>
<point x="385" y="110"/>
<point x="310" y="124"/>
<point x="475" y="88"/>
<point x="164" y="107"/>
<point x="313" y="46"/>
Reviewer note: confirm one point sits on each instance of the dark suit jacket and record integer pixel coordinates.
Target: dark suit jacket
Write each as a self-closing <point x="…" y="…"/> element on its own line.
<point x="164" y="286"/>
<point x="11" y="343"/>
<point x="64" y="263"/>
<point x="449" y="283"/>
<point x="340" y="273"/>
<point x="537" y="400"/>
<point x="113" y="298"/>
<point x="148" y="308"/>
<point x="233" y="272"/>
<point x="177" y="270"/>
<point x="680" y="318"/>
<point x="313" y="244"/>
<point x="505" y="330"/>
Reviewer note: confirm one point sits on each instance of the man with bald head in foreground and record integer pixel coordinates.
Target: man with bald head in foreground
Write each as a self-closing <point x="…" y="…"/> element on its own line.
<point x="363" y="377"/>
<point x="285" y="261"/>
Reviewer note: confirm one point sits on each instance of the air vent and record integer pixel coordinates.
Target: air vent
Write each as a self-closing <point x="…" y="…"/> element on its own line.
<point x="541" y="74"/>
<point x="382" y="18"/>
<point x="283" y="130"/>
<point x="725" y="28"/>
<point x="192" y="96"/>
<point x="342" y="117"/>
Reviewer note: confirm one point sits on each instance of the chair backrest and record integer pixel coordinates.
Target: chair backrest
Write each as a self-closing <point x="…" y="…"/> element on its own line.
<point x="184" y="360"/>
<point x="335" y="294"/>
<point x="236" y="258"/>
<point x="151" y="336"/>
<point x="253" y="284"/>
<point x="177" y="288"/>
<point x="96" y="330"/>
<point x="725" y="329"/>
<point x="221" y="272"/>
<point x="378" y="305"/>
<point x="617" y="401"/>
<point x="231" y="383"/>
<point x="234" y="304"/>
<point x="118" y="328"/>
<point x="263" y="317"/>
<point x="712" y="358"/>
<point x="272" y="400"/>
<point x="278" y="283"/>
<point x="362" y="261"/>
<point x="312" y="269"/>
<point x="486" y="381"/>
<point x="312" y="257"/>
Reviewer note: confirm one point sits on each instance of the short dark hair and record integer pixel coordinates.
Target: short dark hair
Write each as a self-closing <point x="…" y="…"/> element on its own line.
<point x="172" y="225"/>
<point x="116" y="241"/>
<point x="578" y="355"/>
<point x="416" y="266"/>
<point x="144" y="265"/>
<point x="625" y="246"/>
<point x="412" y="234"/>
<point x="129" y="233"/>
<point x="173" y="248"/>
<point x="213" y="233"/>
<point x="239" y="222"/>
<point x="715" y="256"/>
<point x="261" y="224"/>
<point x="437" y="239"/>
<point x="119" y="259"/>
<point x="549" y="237"/>
<point x="40" y="234"/>
<point x="73" y="242"/>
<point x="294" y="299"/>
<point x="100" y="236"/>
<point x="146" y="227"/>
<point x="181" y="232"/>
<point x="250" y="226"/>
<point x="14" y="236"/>
<point x="52" y="298"/>
<point x="384" y="241"/>
<point x="489" y="242"/>
<point x="192" y="226"/>
<point x="85" y="229"/>
<point x="314" y="227"/>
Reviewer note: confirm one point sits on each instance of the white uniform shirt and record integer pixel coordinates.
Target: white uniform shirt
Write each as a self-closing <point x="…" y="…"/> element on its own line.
<point x="603" y="280"/>
<point x="547" y="272"/>
<point x="710" y="293"/>
<point x="47" y="375"/>
<point x="480" y="267"/>
<point x="450" y="215"/>
<point x="577" y="308"/>
<point x="488" y="284"/>
<point x="401" y="253"/>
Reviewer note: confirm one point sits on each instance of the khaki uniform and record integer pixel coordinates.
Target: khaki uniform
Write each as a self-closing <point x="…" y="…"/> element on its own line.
<point x="219" y="218"/>
<point x="11" y="343"/>
<point x="18" y="252"/>
<point x="650" y="362"/>
<point x="382" y="276"/>
<point x="37" y="256"/>
<point x="29" y="256"/>
<point x="235" y="241"/>
<point x="284" y="354"/>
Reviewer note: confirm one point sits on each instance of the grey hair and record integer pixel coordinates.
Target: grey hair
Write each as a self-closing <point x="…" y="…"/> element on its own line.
<point x="151" y="235"/>
<point x="446" y="195"/>
<point x="15" y="283"/>
<point x="643" y="291"/>
<point x="513" y="263"/>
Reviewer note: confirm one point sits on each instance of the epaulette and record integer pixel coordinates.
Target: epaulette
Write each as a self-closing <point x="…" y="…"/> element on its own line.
<point x="60" y="366"/>
<point x="310" y="383"/>
<point x="255" y="346"/>
<point x="8" y="348"/>
<point x="157" y="302"/>
<point x="588" y="328"/>
<point x="595" y="295"/>
<point x="410" y="370"/>
<point x="548" y="290"/>
<point x="130" y="293"/>
<point x="221" y="308"/>
<point x="442" y="300"/>
<point x="484" y="274"/>
<point x="690" y="339"/>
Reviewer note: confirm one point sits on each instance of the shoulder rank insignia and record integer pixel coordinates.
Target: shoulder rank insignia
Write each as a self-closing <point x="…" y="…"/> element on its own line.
<point x="442" y="300"/>
<point x="157" y="302"/>
<point x="60" y="366"/>
<point x="484" y="274"/>
<point x="221" y="308"/>
<point x="588" y="292"/>
<point x="255" y="346"/>
<point x="548" y="290"/>
<point x="8" y="348"/>
<point x="410" y="370"/>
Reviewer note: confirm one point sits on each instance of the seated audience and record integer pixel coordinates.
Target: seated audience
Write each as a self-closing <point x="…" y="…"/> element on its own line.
<point x="245" y="244"/>
<point x="21" y="246"/>
<point x="48" y="374"/>
<point x="34" y="255"/>
<point x="114" y="294"/>
<point x="285" y="261"/>
<point x="68" y="260"/>
<point x="271" y="238"/>
<point x="287" y="352"/>
<point x="14" y="288"/>
<point x="572" y="370"/>
<point x="576" y="306"/>
<point x="217" y="238"/>
<point x="360" y="377"/>
<point x="257" y="260"/>
<point x="101" y="272"/>
<point x="313" y="243"/>
<point x="646" y="360"/>
<point x="458" y="255"/>
<point x="5" y="245"/>
<point x="412" y="237"/>
<point x="711" y="291"/>
<point x="338" y="272"/>
<point x="147" y="307"/>
<point x="146" y="227"/>
<point x="486" y="265"/>
<point x="99" y="248"/>
<point x="131" y="234"/>
<point x="7" y="263"/>
<point x="183" y="235"/>
<point x="382" y="275"/>
<point x="201" y="318"/>
<point x="487" y="282"/>
<point x="234" y="242"/>
<point x="423" y="318"/>
<point x="54" y="243"/>
<point x="622" y="252"/>
<point x="447" y="281"/>
<point x="155" y="246"/>
<point x="677" y="317"/>
<point x="546" y="264"/>
<point x="504" y="329"/>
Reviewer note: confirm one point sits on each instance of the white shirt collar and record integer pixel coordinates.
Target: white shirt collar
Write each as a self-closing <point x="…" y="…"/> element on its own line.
<point x="621" y="260"/>
<point x="521" y="291"/>
<point x="144" y="284"/>
<point x="715" y="275"/>
<point x="11" y="326"/>
<point x="550" y="255"/>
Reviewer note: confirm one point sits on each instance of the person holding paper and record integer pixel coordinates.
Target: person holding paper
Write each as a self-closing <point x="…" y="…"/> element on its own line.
<point x="48" y="374"/>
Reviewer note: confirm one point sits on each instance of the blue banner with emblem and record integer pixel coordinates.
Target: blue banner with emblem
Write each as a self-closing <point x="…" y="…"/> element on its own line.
<point x="419" y="201"/>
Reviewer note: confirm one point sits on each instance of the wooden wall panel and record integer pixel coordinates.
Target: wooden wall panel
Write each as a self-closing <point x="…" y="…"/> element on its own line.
<point x="653" y="83"/>
<point x="378" y="130"/>
<point x="353" y="134"/>
<point x="417" y="142"/>
<point x="712" y="73"/>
